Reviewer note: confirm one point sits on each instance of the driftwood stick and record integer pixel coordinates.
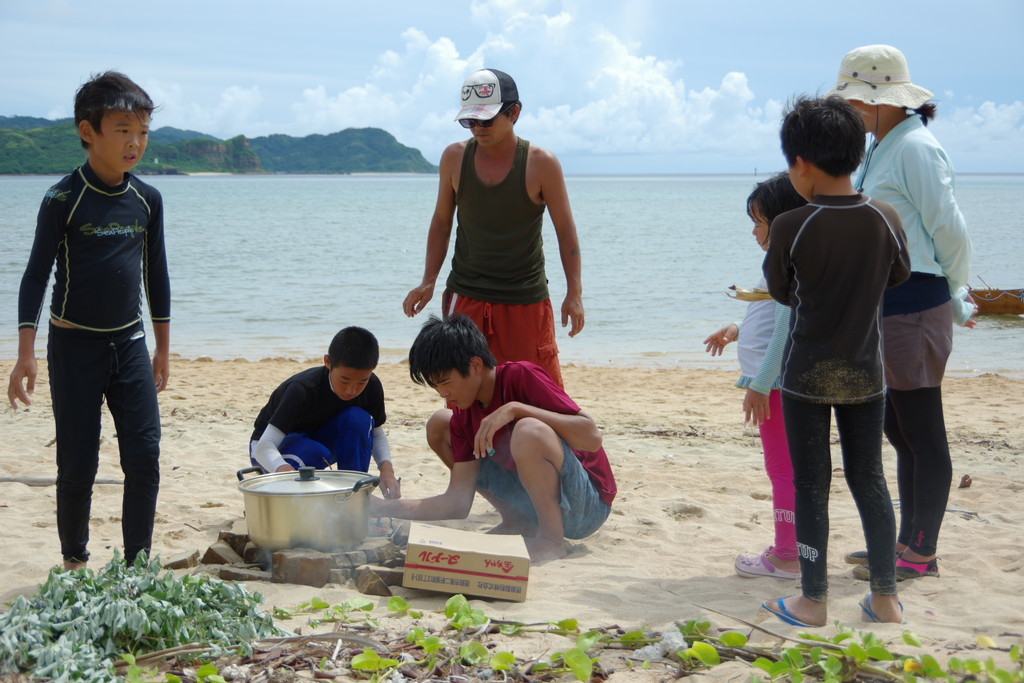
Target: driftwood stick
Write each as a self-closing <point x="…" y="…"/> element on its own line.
<point x="44" y="481"/>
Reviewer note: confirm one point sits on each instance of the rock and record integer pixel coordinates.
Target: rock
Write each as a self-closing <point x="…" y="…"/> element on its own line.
<point x="389" y="575"/>
<point x="182" y="560"/>
<point x="253" y="554"/>
<point x="341" y="575"/>
<point x="222" y="553"/>
<point x="230" y="572"/>
<point x="380" y="550"/>
<point x="350" y="559"/>
<point x="235" y="540"/>
<point x="369" y="582"/>
<point x="302" y="566"/>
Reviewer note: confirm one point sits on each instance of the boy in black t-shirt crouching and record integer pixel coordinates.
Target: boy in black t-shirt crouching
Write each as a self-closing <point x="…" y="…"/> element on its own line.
<point x="332" y="414"/>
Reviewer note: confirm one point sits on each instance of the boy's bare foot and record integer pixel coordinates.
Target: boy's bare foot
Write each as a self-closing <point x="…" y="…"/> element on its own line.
<point x="542" y="549"/>
<point x="70" y="565"/>
<point x="885" y="609"/>
<point x="513" y="528"/>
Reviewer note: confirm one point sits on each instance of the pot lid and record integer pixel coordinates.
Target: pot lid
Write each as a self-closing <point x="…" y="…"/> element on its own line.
<point x="308" y="481"/>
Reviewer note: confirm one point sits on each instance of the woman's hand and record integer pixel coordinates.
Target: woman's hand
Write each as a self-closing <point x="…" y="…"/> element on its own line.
<point x="720" y="339"/>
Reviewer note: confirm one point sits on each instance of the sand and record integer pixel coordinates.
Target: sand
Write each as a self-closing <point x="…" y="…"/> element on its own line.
<point x="692" y="494"/>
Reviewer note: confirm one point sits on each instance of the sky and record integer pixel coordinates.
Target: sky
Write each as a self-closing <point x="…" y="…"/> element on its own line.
<point x="609" y="86"/>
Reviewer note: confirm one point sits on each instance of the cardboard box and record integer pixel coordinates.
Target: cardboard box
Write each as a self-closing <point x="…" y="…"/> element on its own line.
<point x="467" y="562"/>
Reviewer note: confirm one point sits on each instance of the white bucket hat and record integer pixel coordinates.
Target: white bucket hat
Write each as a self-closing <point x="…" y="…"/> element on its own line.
<point x="878" y="74"/>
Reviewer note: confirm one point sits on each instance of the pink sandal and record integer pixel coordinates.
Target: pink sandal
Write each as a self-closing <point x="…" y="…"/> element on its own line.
<point x="752" y="566"/>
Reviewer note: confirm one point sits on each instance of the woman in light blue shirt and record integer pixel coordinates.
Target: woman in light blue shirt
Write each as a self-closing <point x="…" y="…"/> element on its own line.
<point x="906" y="167"/>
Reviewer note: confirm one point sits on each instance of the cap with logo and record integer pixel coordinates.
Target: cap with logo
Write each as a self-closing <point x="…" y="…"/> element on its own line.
<point x="484" y="94"/>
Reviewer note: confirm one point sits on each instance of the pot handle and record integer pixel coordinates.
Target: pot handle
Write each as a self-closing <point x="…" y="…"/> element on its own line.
<point x="241" y="473"/>
<point x="373" y="482"/>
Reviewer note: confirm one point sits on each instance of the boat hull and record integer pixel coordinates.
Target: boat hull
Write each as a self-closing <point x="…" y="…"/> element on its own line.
<point x="999" y="301"/>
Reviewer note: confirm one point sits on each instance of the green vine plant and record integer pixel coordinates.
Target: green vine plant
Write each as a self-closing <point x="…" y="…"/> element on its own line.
<point x="130" y="623"/>
<point x="693" y="646"/>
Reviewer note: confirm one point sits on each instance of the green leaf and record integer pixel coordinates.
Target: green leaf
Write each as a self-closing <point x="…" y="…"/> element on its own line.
<point x="857" y="652"/>
<point x="831" y="665"/>
<point x="568" y="625"/>
<point x="764" y="664"/>
<point x="368" y="660"/>
<point x="397" y="604"/>
<point x="794" y="657"/>
<point x="586" y="641"/>
<point x="431" y="644"/>
<point x="634" y="639"/>
<point x="910" y="638"/>
<point x="580" y="663"/>
<point x="931" y="667"/>
<point x="473" y="653"/>
<point x="356" y="604"/>
<point x="503" y="661"/>
<point x="734" y="639"/>
<point x="454" y="605"/>
<point x="880" y="654"/>
<point x="705" y="652"/>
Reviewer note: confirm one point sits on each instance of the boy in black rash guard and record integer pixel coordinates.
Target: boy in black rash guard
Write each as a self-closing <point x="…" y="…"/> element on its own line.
<point x="831" y="261"/>
<point x="104" y="228"/>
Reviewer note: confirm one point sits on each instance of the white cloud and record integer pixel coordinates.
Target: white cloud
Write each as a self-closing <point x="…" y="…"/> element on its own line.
<point x="603" y="85"/>
<point x="988" y="137"/>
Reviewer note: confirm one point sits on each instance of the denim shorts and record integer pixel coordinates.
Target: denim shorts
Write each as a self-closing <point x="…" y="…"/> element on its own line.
<point x="583" y="511"/>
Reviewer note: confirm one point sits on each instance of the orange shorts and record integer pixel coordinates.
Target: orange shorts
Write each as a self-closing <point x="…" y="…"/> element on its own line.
<point x="513" y="331"/>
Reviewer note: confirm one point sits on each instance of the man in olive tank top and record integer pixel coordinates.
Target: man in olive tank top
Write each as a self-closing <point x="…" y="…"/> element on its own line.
<point x="498" y="185"/>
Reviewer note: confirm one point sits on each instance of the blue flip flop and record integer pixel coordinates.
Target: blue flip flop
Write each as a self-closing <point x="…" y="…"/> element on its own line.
<point x="865" y="606"/>
<point x="784" y="614"/>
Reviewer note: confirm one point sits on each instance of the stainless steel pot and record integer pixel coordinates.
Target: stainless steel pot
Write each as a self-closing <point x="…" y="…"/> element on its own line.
<point x="325" y="510"/>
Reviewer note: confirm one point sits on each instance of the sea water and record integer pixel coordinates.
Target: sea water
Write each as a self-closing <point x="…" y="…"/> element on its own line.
<point x="273" y="265"/>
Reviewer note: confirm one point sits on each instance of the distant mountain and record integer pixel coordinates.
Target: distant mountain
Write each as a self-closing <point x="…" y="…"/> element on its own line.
<point x="28" y="122"/>
<point x="170" y="135"/>
<point x="353" y="150"/>
<point x="30" y="145"/>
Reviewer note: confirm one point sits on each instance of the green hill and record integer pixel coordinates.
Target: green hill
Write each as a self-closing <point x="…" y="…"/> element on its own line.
<point x="354" y="150"/>
<point x="31" y="145"/>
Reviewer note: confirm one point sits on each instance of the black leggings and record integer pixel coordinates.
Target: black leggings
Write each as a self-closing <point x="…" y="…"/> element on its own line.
<point x="860" y="438"/>
<point x="915" y="427"/>
<point x="87" y="368"/>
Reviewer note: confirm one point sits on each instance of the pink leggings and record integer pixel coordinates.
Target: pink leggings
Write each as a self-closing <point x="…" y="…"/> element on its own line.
<point x="780" y="472"/>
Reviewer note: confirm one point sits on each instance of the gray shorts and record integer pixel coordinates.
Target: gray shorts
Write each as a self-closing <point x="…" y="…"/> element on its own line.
<point x="915" y="347"/>
<point x="583" y="511"/>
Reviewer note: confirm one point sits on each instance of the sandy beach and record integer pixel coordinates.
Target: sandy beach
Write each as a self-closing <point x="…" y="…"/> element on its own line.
<point x="692" y="494"/>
